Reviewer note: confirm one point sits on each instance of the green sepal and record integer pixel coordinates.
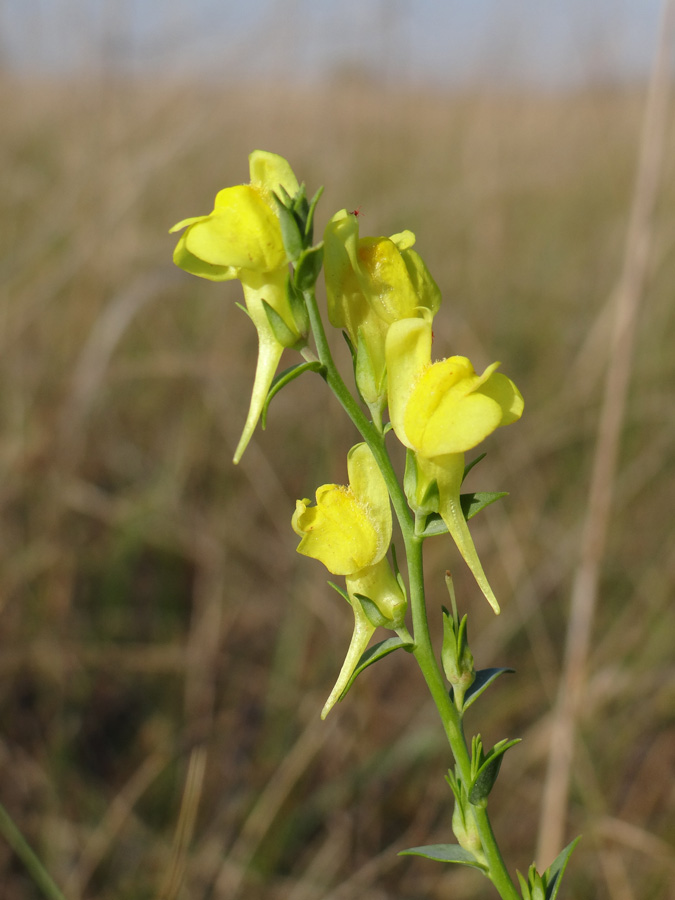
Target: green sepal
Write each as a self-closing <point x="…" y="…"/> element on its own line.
<point x="284" y="198"/>
<point x="364" y="372"/>
<point x="280" y="329"/>
<point x="474" y="462"/>
<point x="309" y="221"/>
<point x="425" y="506"/>
<point x="308" y="267"/>
<point x="482" y="681"/>
<point x="375" y="653"/>
<point x="456" y="656"/>
<point x="463" y="822"/>
<point x="376" y="618"/>
<point x="524" y="886"/>
<point x="352" y="350"/>
<point x="553" y="875"/>
<point x="284" y="378"/>
<point x="291" y="233"/>
<point x="533" y="888"/>
<point x="300" y="206"/>
<point x="296" y="301"/>
<point x="486" y="769"/>
<point x="410" y="475"/>
<point x="447" y="853"/>
<point x="397" y="573"/>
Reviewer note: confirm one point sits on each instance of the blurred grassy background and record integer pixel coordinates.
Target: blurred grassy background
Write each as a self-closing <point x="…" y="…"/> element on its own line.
<point x="153" y="608"/>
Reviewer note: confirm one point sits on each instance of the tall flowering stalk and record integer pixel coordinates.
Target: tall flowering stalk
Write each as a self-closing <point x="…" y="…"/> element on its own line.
<point x="382" y="296"/>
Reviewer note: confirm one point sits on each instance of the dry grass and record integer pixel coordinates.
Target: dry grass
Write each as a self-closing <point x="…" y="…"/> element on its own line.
<point x="155" y="619"/>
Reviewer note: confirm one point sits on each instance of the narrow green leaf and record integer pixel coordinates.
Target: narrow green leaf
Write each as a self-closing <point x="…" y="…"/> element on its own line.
<point x="434" y="525"/>
<point x="554" y="873"/>
<point x="483" y="680"/>
<point x="343" y="594"/>
<point x="524" y="886"/>
<point x="448" y="853"/>
<point x="284" y="378"/>
<point x="473" y="503"/>
<point x="487" y="774"/>
<point x="279" y="328"/>
<point x="537" y="890"/>
<point x="474" y="462"/>
<point x="375" y="653"/>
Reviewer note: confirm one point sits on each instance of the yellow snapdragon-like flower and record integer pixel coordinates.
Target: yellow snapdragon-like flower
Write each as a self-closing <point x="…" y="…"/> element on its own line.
<point x="441" y="410"/>
<point x="241" y="239"/>
<point x="349" y="531"/>
<point x="372" y="282"/>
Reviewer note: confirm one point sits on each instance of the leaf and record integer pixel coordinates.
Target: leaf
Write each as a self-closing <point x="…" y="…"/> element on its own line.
<point x="434" y="525"/>
<point x="486" y="776"/>
<point x="483" y="680"/>
<point x="473" y="503"/>
<point x="449" y="853"/>
<point x="474" y="462"/>
<point x="554" y="873"/>
<point x="284" y="378"/>
<point x="375" y="653"/>
<point x="343" y="594"/>
<point x="524" y="886"/>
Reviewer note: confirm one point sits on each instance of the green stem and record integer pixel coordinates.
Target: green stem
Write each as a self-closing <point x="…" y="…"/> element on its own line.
<point x="423" y="652"/>
<point x="28" y="857"/>
<point x="450" y="717"/>
<point x="369" y="432"/>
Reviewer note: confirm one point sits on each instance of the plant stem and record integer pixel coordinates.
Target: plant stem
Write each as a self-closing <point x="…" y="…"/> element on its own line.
<point x="369" y="432"/>
<point x="423" y="649"/>
<point x="450" y="717"/>
<point x="28" y="857"/>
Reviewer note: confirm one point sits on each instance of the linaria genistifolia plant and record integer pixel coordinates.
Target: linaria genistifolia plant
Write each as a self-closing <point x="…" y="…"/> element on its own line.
<point x="383" y="298"/>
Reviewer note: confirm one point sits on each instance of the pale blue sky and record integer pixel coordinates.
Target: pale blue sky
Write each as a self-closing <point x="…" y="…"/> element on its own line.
<point x="552" y="42"/>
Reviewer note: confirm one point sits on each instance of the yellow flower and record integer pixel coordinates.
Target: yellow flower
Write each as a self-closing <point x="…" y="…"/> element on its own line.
<point x="440" y="411"/>
<point x="372" y="282"/>
<point x="241" y="239"/>
<point x="349" y="531"/>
